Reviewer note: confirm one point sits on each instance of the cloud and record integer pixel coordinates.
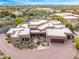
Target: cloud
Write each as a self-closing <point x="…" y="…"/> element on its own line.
<point x="1" y="3"/>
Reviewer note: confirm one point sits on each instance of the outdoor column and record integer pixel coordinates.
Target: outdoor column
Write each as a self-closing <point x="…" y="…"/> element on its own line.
<point x="71" y="37"/>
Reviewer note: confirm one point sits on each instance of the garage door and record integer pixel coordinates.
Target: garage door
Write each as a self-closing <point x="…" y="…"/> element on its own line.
<point x="57" y="40"/>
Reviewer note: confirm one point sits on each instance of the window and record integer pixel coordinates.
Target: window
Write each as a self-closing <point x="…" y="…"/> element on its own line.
<point x="41" y="34"/>
<point x="33" y="34"/>
<point x="22" y="39"/>
<point x="26" y="39"/>
<point x="33" y="28"/>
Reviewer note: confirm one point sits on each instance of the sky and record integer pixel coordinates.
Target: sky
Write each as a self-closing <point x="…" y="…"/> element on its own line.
<point x="40" y="2"/>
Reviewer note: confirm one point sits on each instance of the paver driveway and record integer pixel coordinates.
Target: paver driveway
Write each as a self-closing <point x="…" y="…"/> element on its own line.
<point x="56" y="51"/>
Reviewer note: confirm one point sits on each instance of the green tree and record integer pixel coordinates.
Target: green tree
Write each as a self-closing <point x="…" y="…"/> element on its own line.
<point x="13" y="16"/>
<point x="55" y="17"/>
<point x="76" y="27"/>
<point x="69" y="26"/>
<point x="19" y="21"/>
<point x="5" y="13"/>
<point x="31" y="13"/>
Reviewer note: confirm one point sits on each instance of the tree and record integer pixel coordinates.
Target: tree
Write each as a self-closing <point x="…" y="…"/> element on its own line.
<point x="55" y="17"/>
<point x="70" y="27"/>
<point x="19" y="20"/>
<point x="44" y="11"/>
<point x="76" y="27"/>
<point x="8" y="18"/>
<point x="5" y="13"/>
<point x="75" y="10"/>
<point x="31" y="13"/>
<point x="13" y="16"/>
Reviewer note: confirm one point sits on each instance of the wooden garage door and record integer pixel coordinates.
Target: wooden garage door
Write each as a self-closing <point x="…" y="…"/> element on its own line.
<point x="57" y="40"/>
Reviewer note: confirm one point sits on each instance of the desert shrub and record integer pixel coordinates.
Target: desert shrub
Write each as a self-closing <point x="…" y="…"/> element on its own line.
<point x="77" y="43"/>
<point x="45" y="44"/>
<point x="9" y="57"/>
<point x="31" y="46"/>
<point x="17" y="45"/>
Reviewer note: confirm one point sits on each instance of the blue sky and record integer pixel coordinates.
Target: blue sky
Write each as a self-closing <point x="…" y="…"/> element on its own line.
<point x="41" y="2"/>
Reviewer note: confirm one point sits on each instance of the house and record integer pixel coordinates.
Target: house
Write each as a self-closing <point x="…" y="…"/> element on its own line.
<point x="17" y="13"/>
<point x="69" y="11"/>
<point x="69" y="17"/>
<point x="58" y="11"/>
<point x="64" y="14"/>
<point x="48" y="9"/>
<point x="50" y="30"/>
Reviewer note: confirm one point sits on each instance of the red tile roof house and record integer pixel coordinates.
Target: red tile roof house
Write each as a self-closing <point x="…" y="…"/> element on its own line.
<point x="51" y="30"/>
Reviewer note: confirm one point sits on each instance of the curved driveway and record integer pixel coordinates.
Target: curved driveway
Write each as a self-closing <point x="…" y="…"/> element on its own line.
<point x="56" y="51"/>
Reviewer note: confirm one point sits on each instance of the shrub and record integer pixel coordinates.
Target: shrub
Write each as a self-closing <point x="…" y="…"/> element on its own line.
<point x="31" y="46"/>
<point x="77" y="43"/>
<point x="55" y="17"/>
<point x="9" y="41"/>
<point x="9" y="57"/>
<point x="45" y="44"/>
<point x="17" y="45"/>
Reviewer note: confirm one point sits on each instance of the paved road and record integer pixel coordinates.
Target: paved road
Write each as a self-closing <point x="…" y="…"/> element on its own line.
<point x="56" y="51"/>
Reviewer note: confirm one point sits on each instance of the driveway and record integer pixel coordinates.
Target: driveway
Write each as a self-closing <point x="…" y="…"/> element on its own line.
<point x="56" y="51"/>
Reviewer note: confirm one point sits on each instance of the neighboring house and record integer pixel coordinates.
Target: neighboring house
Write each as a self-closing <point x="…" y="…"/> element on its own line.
<point x="64" y="14"/>
<point x="58" y="11"/>
<point x="69" y="17"/>
<point x="76" y="16"/>
<point x="48" y="9"/>
<point x="17" y="13"/>
<point x="69" y="11"/>
<point x="51" y="30"/>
